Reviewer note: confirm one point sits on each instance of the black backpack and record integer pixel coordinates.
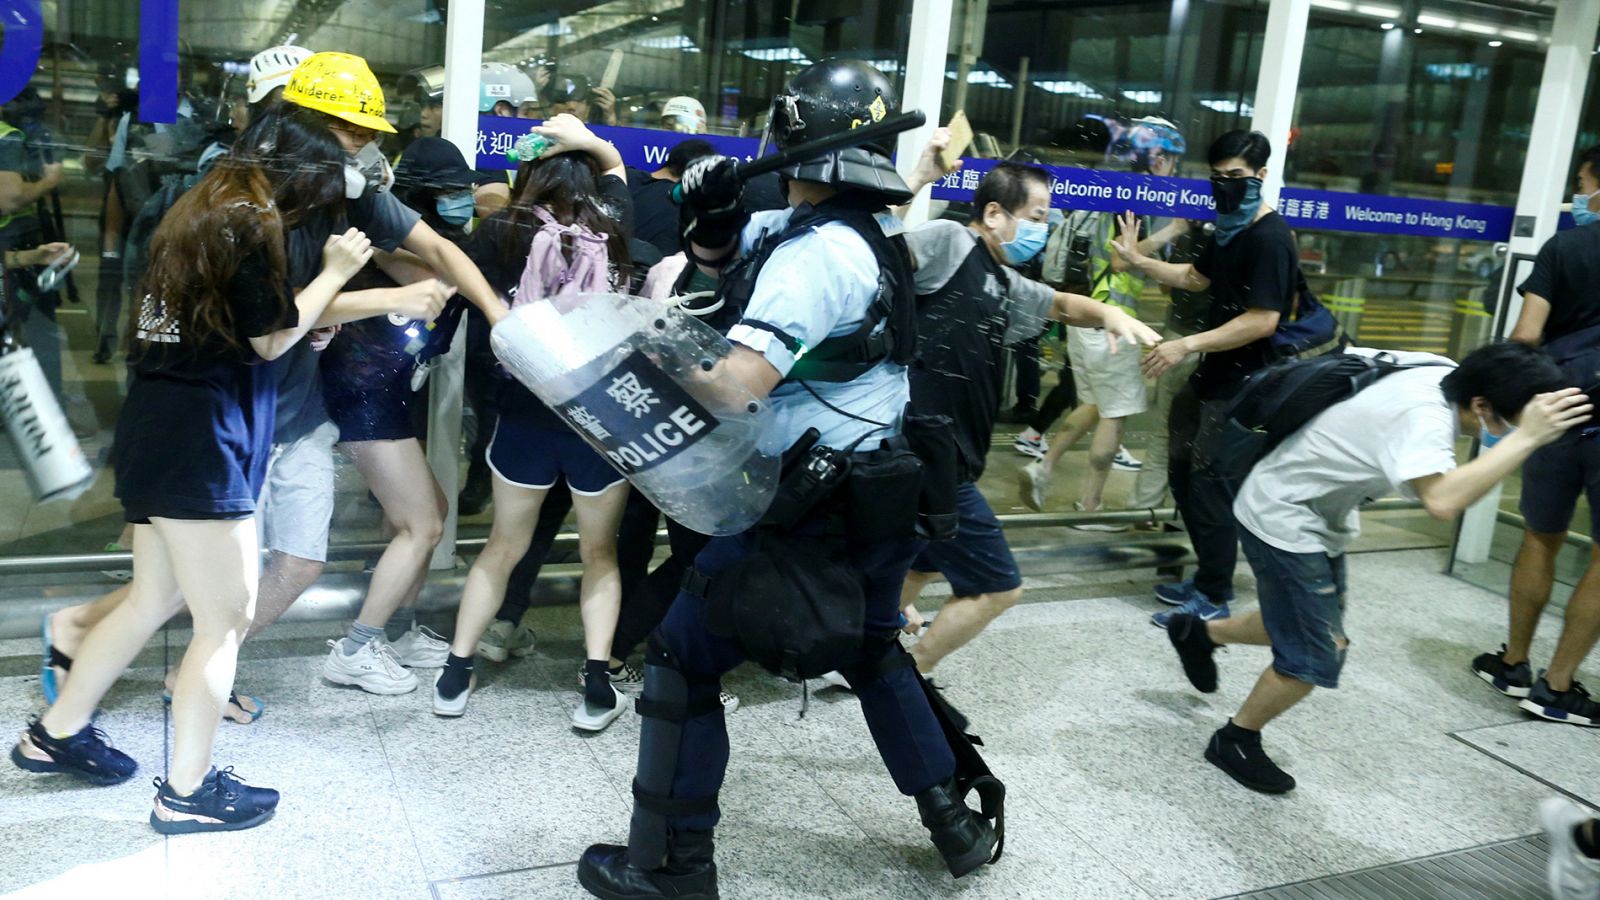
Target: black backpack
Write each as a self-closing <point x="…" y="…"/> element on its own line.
<point x="1277" y="401"/>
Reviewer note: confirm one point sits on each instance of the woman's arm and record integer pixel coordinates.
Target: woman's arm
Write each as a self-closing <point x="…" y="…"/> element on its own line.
<point x="572" y="136"/>
<point x="342" y="257"/>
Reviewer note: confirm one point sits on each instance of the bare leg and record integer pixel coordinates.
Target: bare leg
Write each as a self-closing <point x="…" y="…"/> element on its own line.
<point x="219" y="571"/>
<point x="959" y="621"/>
<point x="1532" y="575"/>
<point x="69" y="625"/>
<point x="1270" y="698"/>
<point x="1581" y="628"/>
<point x="283" y="580"/>
<point x="442" y="505"/>
<point x="1245" y="629"/>
<point x="112" y="644"/>
<point x="398" y="474"/>
<point x="516" y="509"/>
<point x="600" y="593"/>
<point x="1076" y="425"/>
<point x="1102" y="450"/>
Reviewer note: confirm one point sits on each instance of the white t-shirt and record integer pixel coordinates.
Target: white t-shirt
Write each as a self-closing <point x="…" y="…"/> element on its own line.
<point x="1304" y="496"/>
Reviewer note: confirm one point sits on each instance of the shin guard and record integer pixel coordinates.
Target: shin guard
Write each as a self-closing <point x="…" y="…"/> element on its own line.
<point x="664" y="706"/>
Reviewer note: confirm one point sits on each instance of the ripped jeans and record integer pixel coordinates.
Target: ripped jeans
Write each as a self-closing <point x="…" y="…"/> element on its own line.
<point x="1302" y="606"/>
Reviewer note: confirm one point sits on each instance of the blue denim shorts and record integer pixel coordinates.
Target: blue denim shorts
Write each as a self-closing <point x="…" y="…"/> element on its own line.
<point x="1302" y="605"/>
<point x="978" y="560"/>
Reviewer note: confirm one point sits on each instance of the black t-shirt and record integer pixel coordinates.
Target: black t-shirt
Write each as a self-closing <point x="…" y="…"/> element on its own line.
<point x="655" y="215"/>
<point x="1567" y="273"/>
<point x="969" y="308"/>
<point x="1187" y="313"/>
<point x="488" y="250"/>
<point x="1259" y="269"/>
<point x="196" y="430"/>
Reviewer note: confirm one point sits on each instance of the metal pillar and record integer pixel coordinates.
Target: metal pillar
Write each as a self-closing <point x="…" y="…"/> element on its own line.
<point x="463" y="56"/>
<point x="1544" y="181"/>
<point x="1277" y="84"/>
<point x="923" y="87"/>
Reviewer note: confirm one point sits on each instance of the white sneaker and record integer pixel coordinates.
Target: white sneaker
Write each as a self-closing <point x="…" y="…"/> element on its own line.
<point x="452" y="708"/>
<point x="1106" y="527"/>
<point x="1124" y="461"/>
<point x="833" y="679"/>
<point x="1572" y="875"/>
<point x="1035" y="447"/>
<point x="421" y="648"/>
<point x="504" y="640"/>
<point x="1033" y="481"/>
<point x="589" y="718"/>
<point x="730" y="702"/>
<point x="372" y="668"/>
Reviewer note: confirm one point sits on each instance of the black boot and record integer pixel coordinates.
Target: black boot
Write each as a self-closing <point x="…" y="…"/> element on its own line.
<point x="965" y="840"/>
<point x="690" y="872"/>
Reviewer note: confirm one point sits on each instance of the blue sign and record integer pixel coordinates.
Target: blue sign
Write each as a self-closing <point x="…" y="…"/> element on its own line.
<point x="641" y="148"/>
<point x="1190" y="198"/>
<point x="1377" y="214"/>
<point x="1092" y="189"/>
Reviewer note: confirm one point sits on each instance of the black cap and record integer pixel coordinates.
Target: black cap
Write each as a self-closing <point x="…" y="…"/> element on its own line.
<point x="565" y="89"/>
<point x="433" y="163"/>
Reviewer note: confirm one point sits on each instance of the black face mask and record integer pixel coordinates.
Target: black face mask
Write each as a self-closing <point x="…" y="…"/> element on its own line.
<point x="1228" y="192"/>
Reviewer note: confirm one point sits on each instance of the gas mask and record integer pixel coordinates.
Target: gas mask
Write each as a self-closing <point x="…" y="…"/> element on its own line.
<point x="367" y="172"/>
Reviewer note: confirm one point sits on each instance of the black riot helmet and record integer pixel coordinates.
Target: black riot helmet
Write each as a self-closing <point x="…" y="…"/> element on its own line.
<point x="826" y="98"/>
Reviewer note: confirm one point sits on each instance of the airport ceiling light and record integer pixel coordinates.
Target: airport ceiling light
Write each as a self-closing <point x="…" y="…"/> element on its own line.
<point x="1229" y="106"/>
<point x="986" y="77"/>
<point x="668" y="42"/>
<point x="1070" y="88"/>
<point x="1143" y="96"/>
<point x="581" y="26"/>
<point x="778" y="54"/>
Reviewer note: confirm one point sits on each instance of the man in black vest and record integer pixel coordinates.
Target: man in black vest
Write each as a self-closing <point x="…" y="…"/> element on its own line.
<point x="971" y="305"/>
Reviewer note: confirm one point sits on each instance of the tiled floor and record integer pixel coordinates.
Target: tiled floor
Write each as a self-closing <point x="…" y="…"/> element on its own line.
<point x="1085" y="714"/>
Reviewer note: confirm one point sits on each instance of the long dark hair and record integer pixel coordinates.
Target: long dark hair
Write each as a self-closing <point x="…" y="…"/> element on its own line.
<point x="567" y="186"/>
<point x="285" y="167"/>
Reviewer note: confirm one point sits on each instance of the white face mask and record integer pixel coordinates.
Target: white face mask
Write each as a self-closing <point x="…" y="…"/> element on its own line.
<point x="367" y="172"/>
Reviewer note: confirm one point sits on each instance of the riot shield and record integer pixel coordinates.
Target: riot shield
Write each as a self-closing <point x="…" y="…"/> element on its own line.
<point x="643" y="384"/>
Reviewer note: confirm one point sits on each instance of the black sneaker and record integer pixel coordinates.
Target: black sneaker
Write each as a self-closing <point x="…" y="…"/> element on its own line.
<point x="221" y="803"/>
<point x="1513" y="681"/>
<point x="87" y="754"/>
<point x="1195" y="650"/>
<point x="1244" y="760"/>
<point x="1574" y="706"/>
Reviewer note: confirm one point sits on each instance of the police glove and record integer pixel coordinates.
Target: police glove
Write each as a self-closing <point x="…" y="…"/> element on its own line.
<point x="711" y="193"/>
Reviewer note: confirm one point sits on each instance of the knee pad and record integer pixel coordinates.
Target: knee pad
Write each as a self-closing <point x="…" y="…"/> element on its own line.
<point x="664" y="705"/>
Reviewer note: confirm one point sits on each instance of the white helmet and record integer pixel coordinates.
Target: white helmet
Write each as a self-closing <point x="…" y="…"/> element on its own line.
<point x="684" y="114"/>
<point x="504" y="82"/>
<point x="271" y="68"/>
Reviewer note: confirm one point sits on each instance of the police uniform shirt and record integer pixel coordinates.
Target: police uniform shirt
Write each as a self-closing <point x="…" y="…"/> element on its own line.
<point x="969" y="309"/>
<point x="815" y="286"/>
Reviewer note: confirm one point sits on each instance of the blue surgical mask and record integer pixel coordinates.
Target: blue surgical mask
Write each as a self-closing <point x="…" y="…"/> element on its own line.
<point x="1238" y="200"/>
<point x="455" y="209"/>
<point x="1581" y="213"/>
<point x="1029" y="242"/>
<point x="1487" y="438"/>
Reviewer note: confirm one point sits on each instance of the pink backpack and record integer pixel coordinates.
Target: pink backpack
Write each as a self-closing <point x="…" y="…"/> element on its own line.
<point x="551" y="273"/>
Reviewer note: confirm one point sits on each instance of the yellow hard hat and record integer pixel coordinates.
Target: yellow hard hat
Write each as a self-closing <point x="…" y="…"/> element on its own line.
<point x="341" y="85"/>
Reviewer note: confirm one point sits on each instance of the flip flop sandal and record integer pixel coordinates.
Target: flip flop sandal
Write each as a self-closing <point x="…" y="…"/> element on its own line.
<point x="233" y="703"/>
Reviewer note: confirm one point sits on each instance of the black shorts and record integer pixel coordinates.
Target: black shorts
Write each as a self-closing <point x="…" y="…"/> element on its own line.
<point x="1552" y="480"/>
<point x="978" y="561"/>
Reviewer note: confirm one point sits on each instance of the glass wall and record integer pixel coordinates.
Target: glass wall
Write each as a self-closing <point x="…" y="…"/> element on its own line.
<point x="81" y="111"/>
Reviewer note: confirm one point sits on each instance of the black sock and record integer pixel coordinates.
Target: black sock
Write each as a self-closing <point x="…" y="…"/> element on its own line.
<point x="457" y="675"/>
<point x="1584" y="835"/>
<point x="597" y="688"/>
<point x="1237" y="734"/>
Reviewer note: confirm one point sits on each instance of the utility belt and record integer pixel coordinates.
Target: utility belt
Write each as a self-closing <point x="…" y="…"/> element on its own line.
<point x="796" y="603"/>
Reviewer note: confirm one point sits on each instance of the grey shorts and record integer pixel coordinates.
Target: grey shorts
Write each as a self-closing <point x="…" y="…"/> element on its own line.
<point x="296" y="507"/>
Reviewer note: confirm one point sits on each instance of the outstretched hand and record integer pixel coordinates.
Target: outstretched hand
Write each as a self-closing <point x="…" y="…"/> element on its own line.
<point x="1549" y="416"/>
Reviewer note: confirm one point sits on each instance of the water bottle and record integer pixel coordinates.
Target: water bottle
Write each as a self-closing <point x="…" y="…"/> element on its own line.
<point x="643" y="384"/>
<point x="52" y="461"/>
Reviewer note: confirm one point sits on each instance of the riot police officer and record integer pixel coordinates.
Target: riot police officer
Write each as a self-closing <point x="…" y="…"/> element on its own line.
<point x="827" y="329"/>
